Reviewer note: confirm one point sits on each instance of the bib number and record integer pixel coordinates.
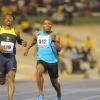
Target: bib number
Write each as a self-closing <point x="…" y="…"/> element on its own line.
<point x="8" y="47"/>
<point x="43" y="41"/>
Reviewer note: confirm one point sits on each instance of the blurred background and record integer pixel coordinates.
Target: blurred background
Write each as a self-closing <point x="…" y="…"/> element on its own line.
<point x="76" y="21"/>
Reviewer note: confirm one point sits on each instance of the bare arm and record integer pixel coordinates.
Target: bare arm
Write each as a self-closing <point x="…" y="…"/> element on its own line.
<point x="56" y="40"/>
<point x="33" y="41"/>
<point x="20" y="40"/>
<point x="1" y="47"/>
<point x="57" y="43"/>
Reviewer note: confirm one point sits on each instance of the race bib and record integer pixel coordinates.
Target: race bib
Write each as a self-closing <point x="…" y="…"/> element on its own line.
<point x="8" y="46"/>
<point x="43" y="41"/>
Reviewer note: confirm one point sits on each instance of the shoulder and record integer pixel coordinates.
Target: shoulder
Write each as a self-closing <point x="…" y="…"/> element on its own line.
<point x="17" y="32"/>
<point x="35" y="34"/>
<point x="56" y="34"/>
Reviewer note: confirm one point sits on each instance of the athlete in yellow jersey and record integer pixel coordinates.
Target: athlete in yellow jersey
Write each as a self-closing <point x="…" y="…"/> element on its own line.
<point x="88" y="45"/>
<point x="8" y="65"/>
<point x="69" y="42"/>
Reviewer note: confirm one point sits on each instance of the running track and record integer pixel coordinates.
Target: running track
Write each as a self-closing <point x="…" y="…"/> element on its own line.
<point x="71" y="90"/>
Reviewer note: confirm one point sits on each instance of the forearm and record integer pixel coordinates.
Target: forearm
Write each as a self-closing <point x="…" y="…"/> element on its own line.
<point x="28" y="48"/>
<point x="19" y="40"/>
<point x="30" y="45"/>
<point x="57" y="46"/>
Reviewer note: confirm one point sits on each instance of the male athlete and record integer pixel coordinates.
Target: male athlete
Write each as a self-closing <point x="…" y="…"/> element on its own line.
<point x="8" y="65"/>
<point x="48" y="46"/>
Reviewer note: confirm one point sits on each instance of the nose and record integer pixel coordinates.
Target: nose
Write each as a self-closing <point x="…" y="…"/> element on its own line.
<point x="8" y="20"/>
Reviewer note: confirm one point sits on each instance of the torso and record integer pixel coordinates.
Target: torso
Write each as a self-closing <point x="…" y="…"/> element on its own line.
<point x="8" y="39"/>
<point x="46" y="48"/>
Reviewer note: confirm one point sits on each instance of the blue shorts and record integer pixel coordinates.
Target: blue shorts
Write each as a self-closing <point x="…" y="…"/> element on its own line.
<point x="7" y="63"/>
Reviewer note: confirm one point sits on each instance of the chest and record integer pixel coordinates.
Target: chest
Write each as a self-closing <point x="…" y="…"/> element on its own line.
<point x="44" y="41"/>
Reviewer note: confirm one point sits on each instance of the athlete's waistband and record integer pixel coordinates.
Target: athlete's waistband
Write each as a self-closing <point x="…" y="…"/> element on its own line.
<point x="8" y="54"/>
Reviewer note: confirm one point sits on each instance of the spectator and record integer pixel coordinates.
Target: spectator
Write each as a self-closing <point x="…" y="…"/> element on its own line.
<point x="60" y="13"/>
<point x="55" y="3"/>
<point x="85" y="54"/>
<point x="13" y="8"/>
<point x="80" y="8"/>
<point x="33" y="8"/>
<point x="76" y="56"/>
<point x="4" y="10"/>
<point x="88" y="45"/>
<point x="50" y="10"/>
<point x="68" y="42"/>
<point x="69" y="9"/>
<point x="61" y="63"/>
<point x="23" y="5"/>
<point x="25" y="24"/>
<point x="40" y="3"/>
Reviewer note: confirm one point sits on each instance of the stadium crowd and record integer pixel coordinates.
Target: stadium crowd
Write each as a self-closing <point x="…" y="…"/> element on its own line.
<point x="65" y="9"/>
<point x="76" y="55"/>
<point x="33" y="7"/>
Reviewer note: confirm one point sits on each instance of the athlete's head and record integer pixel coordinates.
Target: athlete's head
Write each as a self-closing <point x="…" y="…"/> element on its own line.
<point x="8" y="20"/>
<point x="47" y="25"/>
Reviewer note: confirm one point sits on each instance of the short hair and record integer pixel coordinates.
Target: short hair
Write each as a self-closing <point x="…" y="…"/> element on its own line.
<point x="11" y="16"/>
<point x="47" y="19"/>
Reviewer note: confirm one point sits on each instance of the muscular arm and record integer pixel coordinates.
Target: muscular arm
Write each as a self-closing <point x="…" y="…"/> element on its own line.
<point x="20" y="40"/>
<point x="1" y="47"/>
<point x="33" y="41"/>
<point x="56" y="40"/>
<point x="57" y="43"/>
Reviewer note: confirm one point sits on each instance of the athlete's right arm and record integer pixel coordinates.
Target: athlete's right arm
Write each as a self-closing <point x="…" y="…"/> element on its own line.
<point x="1" y="47"/>
<point x="33" y="41"/>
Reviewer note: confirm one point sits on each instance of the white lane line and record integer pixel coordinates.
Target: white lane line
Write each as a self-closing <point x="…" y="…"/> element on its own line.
<point x="73" y="90"/>
<point x="92" y="97"/>
<point x="69" y="93"/>
<point x="64" y="90"/>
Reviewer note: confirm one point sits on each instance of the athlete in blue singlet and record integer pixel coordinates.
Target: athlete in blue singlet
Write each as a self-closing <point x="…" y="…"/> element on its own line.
<point x="48" y="46"/>
<point x="8" y="64"/>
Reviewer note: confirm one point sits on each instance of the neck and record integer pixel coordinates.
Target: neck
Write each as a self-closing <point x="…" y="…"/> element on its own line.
<point x="8" y="27"/>
<point x="47" y="32"/>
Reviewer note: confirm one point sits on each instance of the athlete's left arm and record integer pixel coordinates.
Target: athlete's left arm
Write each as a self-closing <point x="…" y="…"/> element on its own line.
<point x="20" y="40"/>
<point x="57" y="42"/>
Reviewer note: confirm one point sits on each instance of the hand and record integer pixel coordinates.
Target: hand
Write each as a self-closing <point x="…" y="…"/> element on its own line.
<point x="24" y="43"/>
<point x="58" y="47"/>
<point x="26" y="53"/>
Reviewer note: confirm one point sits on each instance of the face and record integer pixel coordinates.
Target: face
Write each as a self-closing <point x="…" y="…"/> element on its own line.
<point x="8" y="20"/>
<point x="47" y="25"/>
